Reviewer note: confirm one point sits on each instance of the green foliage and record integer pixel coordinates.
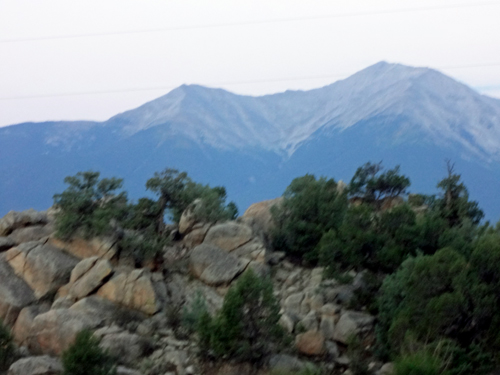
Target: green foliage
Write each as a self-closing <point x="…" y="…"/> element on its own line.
<point x="372" y="186"/>
<point x="175" y="191"/>
<point x="192" y="315"/>
<point x="88" y="205"/>
<point x="85" y="357"/>
<point x="6" y="347"/>
<point x="419" y="363"/>
<point x="454" y="205"/>
<point x="310" y="208"/>
<point x="246" y="328"/>
<point x="367" y="239"/>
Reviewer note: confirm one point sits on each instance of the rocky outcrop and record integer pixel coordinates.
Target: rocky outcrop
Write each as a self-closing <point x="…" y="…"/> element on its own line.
<point x="125" y="346"/>
<point x="39" y="365"/>
<point x="87" y="276"/>
<point x="197" y="235"/>
<point x="14" y="220"/>
<point x="54" y="331"/>
<point x="44" y="267"/>
<point x="33" y="233"/>
<point x="105" y="248"/>
<point x="24" y="323"/>
<point x="188" y="217"/>
<point x="15" y="294"/>
<point x="228" y="236"/>
<point x="259" y="214"/>
<point x="215" y="266"/>
<point x="138" y="289"/>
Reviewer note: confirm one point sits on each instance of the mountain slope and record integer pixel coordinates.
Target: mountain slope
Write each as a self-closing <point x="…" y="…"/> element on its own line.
<point x="255" y="145"/>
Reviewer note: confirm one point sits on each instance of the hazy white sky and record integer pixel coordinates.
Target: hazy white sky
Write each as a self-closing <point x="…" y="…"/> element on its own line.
<point x="91" y="59"/>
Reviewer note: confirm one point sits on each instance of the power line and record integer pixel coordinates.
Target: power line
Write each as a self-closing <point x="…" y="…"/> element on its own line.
<point x="221" y="83"/>
<point x="257" y="22"/>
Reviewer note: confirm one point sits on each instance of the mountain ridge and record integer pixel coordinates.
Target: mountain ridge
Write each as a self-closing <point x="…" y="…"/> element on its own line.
<point x="255" y="145"/>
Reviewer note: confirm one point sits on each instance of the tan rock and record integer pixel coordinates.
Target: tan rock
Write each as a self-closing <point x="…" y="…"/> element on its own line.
<point x="55" y="331"/>
<point x="197" y="235"/>
<point x="44" y="267"/>
<point x="188" y="217"/>
<point x="136" y="290"/>
<point x="105" y="248"/>
<point x="88" y="276"/>
<point x="260" y="213"/>
<point x="310" y="343"/>
<point x="24" y="323"/>
<point x="228" y="236"/>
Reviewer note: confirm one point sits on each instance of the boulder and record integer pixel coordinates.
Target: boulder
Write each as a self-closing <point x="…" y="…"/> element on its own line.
<point x="39" y="365"/>
<point x="310" y="343"/>
<point x="310" y="321"/>
<point x="351" y="323"/>
<point x="215" y="266"/>
<point x="197" y="235"/>
<point x="24" y="323"/>
<point x="386" y="369"/>
<point x="327" y="326"/>
<point x="137" y="289"/>
<point x="260" y="214"/>
<point x="88" y="276"/>
<point x="285" y="364"/>
<point x="15" y="294"/>
<point x="121" y="370"/>
<point x="44" y="267"/>
<point x="293" y="302"/>
<point x="188" y="217"/>
<point x="55" y="331"/>
<point x="127" y="347"/>
<point x="107" y="311"/>
<point x="14" y="220"/>
<point x="103" y="247"/>
<point x="6" y="243"/>
<point x="228" y="236"/>
<point x="34" y="233"/>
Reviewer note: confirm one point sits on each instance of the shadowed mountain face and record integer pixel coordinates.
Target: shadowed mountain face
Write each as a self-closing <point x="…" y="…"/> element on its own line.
<point x="255" y="146"/>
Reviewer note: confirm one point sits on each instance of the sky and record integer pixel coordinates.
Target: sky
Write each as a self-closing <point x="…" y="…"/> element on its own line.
<point x="92" y="59"/>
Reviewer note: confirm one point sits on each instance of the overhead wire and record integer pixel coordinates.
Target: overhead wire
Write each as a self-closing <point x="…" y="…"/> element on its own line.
<point x="254" y="22"/>
<point x="221" y="83"/>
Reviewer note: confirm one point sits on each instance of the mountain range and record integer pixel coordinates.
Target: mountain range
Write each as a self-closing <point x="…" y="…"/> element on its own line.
<point x="255" y="146"/>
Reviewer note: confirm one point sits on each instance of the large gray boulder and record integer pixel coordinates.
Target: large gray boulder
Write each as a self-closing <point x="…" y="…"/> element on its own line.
<point x="15" y="294"/>
<point x="33" y="233"/>
<point x="127" y="347"/>
<point x="24" y="323"/>
<point x="188" y="217"/>
<point x="87" y="276"/>
<point x="55" y="331"/>
<point x="259" y="214"/>
<point x="39" y="365"/>
<point x="352" y="323"/>
<point x="138" y="289"/>
<point x="14" y="220"/>
<point x="228" y="236"/>
<point x="44" y="267"/>
<point x="215" y="266"/>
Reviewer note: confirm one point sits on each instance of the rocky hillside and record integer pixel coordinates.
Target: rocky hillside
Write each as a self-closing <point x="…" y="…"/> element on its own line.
<point x="50" y="290"/>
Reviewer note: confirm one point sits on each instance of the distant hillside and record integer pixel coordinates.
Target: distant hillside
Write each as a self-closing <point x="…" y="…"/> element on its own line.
<point x="416" y="117"/>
